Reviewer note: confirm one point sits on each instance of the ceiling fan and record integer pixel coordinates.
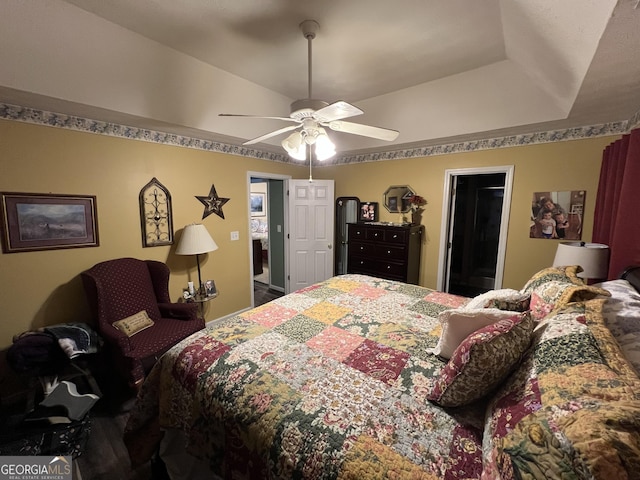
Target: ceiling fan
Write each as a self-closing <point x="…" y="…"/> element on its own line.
<point x="311" y="116"/>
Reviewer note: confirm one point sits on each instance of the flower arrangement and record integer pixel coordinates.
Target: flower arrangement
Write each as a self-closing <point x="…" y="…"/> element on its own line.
<point x="416" y="203"/>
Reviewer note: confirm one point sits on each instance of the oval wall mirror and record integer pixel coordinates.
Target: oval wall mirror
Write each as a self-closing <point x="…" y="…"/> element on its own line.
<point x="396" y="198"/>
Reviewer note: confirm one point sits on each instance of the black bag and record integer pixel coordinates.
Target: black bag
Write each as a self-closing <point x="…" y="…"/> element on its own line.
<point x="36" y="353"/>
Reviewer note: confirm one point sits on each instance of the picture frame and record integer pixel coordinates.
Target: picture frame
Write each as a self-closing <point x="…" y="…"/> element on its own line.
<point x="258" y="204"/>
<point x="557" y="215"/>
<point x="210" y="289"/>
<point x="368" y="212"/>
<point x="45" y="221"/>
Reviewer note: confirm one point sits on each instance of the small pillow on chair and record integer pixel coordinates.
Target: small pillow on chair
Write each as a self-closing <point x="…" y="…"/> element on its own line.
<point x="134" y="324"/>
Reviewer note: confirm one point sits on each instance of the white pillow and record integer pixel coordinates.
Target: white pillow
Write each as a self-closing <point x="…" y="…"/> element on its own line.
<point x="459" y="323"/>
<point x="507" y="294"/>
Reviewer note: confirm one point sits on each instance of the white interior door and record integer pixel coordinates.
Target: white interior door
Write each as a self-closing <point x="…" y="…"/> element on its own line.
<point x="311" y="232"/>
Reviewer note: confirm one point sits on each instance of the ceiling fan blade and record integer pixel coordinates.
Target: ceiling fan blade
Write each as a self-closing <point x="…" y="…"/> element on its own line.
<point x="286" y="119"/>
<point x="272" y="134"/>
<point x="364" y="130"/>
<point x="336" y="111"/>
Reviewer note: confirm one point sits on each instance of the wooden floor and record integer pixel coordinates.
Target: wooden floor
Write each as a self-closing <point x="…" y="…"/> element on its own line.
<point x="105" y="456"/>
<point x="263" y="294"/>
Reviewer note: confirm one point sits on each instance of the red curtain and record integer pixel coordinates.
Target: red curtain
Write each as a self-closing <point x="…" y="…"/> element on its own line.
<point x="617" y="211"/>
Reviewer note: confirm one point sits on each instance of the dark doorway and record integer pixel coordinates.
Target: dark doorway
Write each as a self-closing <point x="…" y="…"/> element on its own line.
<point x="477" y="204"/>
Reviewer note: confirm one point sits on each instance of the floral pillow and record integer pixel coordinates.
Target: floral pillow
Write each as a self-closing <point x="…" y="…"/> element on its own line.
<point x="458" y="323"/>
<point x="483" y="360"/>
<point x="555" y="287"/>
<point x="502" y="299"/>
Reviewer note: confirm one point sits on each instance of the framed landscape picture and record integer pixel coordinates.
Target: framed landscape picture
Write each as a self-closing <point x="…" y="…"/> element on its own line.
<point x="258" y="204"/>
<point x="34" y="221"/>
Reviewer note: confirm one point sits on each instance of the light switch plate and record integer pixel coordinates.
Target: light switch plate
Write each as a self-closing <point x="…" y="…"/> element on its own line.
<point x="235" y="235"/>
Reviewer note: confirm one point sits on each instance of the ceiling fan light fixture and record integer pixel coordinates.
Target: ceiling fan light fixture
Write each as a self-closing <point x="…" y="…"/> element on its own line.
<point x="310" y="114"/>
<point x="325" y="148"/>
<point x="295" y="146"/>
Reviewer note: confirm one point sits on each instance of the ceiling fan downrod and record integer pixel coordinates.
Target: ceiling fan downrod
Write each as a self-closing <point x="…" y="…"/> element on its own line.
<point x="304" y="108"/>
<point x="309" y="29"/>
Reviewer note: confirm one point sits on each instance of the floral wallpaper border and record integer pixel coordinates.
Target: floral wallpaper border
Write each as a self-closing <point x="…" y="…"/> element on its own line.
<point x="60" y="120"/>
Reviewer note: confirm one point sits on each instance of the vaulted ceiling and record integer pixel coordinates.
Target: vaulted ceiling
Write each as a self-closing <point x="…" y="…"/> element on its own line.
<point x="437" y="71"/>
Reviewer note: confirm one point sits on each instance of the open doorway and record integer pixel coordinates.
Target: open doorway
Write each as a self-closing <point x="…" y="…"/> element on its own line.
<point x="473" y="241"/>
<point x="267" y="217"/>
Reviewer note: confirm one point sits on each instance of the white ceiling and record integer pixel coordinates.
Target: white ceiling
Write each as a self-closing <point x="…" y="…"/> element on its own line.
<point x="434" y="70"/>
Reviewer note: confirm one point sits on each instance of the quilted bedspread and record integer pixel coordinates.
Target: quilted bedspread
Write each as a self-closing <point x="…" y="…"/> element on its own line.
<point x="326" y="382"/>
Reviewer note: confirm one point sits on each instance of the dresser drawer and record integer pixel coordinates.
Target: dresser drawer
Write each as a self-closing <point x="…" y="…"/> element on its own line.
<point x="396" y="236"/>
<point x="356" y="232"/>
<point x="376" y="267"/>
<point x="374" y="234"/>
<point x="391" y="252"/>
<point x="362" y="248"/>
<point x="381" y="251"/>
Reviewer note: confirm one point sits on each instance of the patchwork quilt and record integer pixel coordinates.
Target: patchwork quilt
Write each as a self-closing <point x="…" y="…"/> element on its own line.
<point x="326" y="382"/>
<point x="332" y="382"/>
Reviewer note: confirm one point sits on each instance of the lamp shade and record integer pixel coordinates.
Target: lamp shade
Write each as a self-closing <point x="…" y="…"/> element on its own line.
<point x="295" y="146"/>
<point x="195" y="240"/>
<point x="592" y="257"/>
<point x="325" y="148"/>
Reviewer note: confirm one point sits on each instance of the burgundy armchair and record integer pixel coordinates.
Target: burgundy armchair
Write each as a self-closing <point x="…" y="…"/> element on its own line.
<point x="117" y="289"/>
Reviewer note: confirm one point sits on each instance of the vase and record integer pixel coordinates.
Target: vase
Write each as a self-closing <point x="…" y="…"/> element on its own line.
<point x="416" y="217"/>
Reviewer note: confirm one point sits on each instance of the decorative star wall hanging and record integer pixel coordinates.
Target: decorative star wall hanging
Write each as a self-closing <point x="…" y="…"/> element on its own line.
<point x="213" y="203"/>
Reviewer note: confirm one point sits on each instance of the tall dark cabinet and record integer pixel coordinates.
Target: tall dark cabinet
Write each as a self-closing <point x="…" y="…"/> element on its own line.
<point x="385" y="251"/>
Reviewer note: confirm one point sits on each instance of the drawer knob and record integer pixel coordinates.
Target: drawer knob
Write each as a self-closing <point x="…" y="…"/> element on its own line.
<point x="395" y="235"/>
<point x="388" y="252"/>
<point x="361" y="248"/>
<point x="388" y="267"/>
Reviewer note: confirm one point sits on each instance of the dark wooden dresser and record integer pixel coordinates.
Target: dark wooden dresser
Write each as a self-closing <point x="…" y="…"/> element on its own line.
<point x="385" y="251"/>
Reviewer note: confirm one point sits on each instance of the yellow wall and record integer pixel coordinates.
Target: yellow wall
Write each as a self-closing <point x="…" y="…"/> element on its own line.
<point x="562" y="166"/>
<point x="44" y="288"/>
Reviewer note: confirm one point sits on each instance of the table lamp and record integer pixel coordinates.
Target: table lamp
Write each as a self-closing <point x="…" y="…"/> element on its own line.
<point x="195" y="240"/>
<point x="592" y="257"/>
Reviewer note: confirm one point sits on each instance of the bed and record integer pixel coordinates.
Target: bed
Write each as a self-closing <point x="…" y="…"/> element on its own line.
<point x="260" y="231"/>
<point x="348" y="379"/>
